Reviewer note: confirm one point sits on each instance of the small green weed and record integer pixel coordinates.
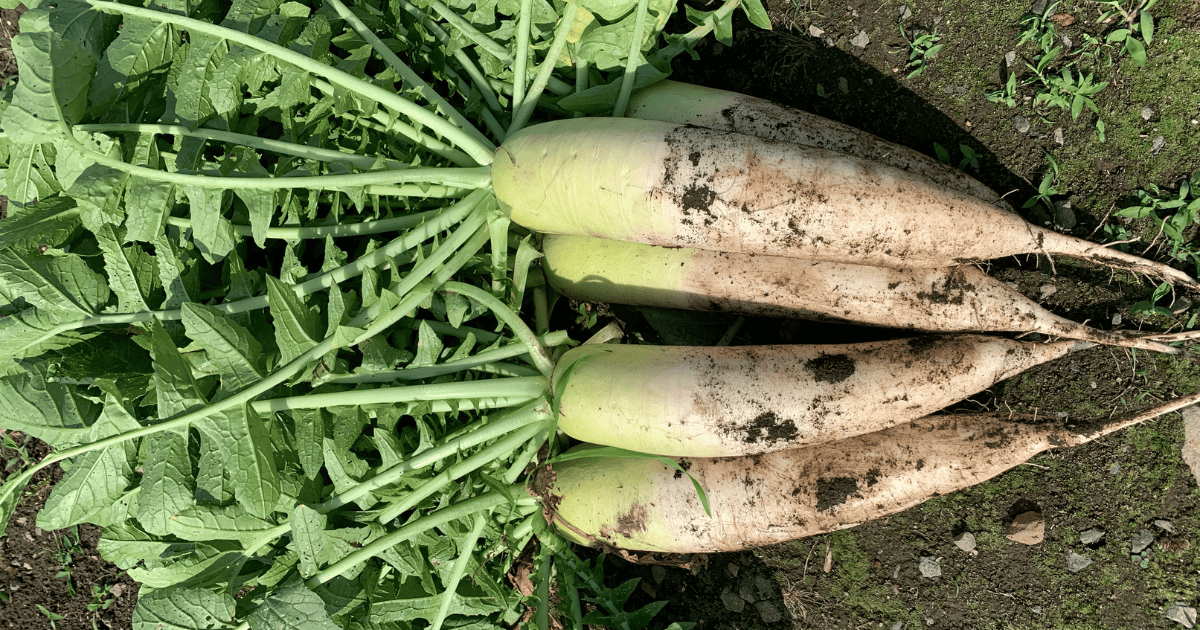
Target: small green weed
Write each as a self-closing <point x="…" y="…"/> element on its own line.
<point x="1172" y="215"/>
<point x="52" y="616"/>
<point x="20" y="459"/>
<point x="923" y="47"/>
<point x="101" y="600"/>
<point x="1137" y="21"/>
<point x="970" y="157"/>
<point x="67" y="548"/>
<point x="1046" y="188"/>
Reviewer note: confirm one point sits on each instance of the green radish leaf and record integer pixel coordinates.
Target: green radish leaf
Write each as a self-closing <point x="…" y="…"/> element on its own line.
<point x="232" y="349"/>
<point x="48" y="410"/>
<point x="171" y="270"/>
<point x="53" y="283"/>
<point x="758" y="16"/>
<point x="291" y="607"/>
<point x="167" y="486"/>
<point x="260" y="204"/>
<point x="132" y="273"/>
<point x="53" y="97"/>
<point x="183" y="609"/>
<point x="137" y="59"/>
<point x="348" y="423"/>
<point x="296" y="325"/>
<point x="52" y="222"/>
<point x="126" y="545"/>
<point x="429" y="347"/>
<point x="148" y="203"/>
<point x="10" y="494"/>
<point x="213" y="483"/>
<point x="310" y="435"/>
<point x="208" y="564"/>
<point x="308" y="539"/>
<point x="210" y="522"/>
<point x="245" y="440"/>
<point x="30" y="177"/>
<point x="96" y="479"/>
<point x="413" y="602"/>
<point x="213" y="233"/>
<point x="29" y="332"/>
<point x="943" y="155"/>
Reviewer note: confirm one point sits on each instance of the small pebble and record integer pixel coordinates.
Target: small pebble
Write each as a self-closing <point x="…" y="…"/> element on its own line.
<point x="1021" y="124"/>
<point x="1147" y="113"/>
<point x="1077" y="563"/>
<point x="815" y="31"/>
<point x="898" y="625"/>
<point x="905" y="12"/>
<point x="929" y="621"/>
<point x="843" y="85"/>
<point x="1166" y="526"/>
<point x="1058" y="137"/>
<point x="1064" y="215"/>
<point x="1115" y="469"/>
<point x="937" y="20"/>
<point x="1067" y="43"/>
<point x="930" y="567"/>
<point x="768" y="612"/>
<point x="731" y="569"/>
<point x="1157" y="145"/>
<point x="1140" y="541"/>
<point x="1090" y="536"/>
<point x="1180" y="305"/>
<point x="965" y="541"/>
<point x="1183" y="615"/>
<point x="1037" y="610"/>
<point x="1047" y="290"/>
<point x="731" y="600"/>
<point x="861" y="40"/>
<point x="1027" y="528"/>
<point x="1010" y="58"/>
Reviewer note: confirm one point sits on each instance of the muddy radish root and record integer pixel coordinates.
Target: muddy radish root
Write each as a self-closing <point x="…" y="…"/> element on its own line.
<point x="956" y="299"/>
<point x="669" y="184"/>
<point x="745" y="400"/>
<point x="641" y="504"/>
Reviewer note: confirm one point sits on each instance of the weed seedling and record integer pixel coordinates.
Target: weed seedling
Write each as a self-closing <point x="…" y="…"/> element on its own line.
<point x="1046" y="188"/>
<point x="1137" y="22"/>
<point x="68" y="547"/>
<point x="923" y="47"/>
<point x="52" y="616"/>
<point x="100" y="598"/>
<point x="1171" y="214"/>
<point x="970" y="157"/>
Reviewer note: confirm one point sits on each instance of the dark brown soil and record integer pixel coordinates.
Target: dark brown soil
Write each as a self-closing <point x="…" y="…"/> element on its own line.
<point x="35" y="563"/>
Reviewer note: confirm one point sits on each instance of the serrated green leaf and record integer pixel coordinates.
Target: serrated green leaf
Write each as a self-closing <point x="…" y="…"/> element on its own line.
<point x="171" y="268"/>
<point x="31" y="332"/>
<point x="308" y="539"/>
<point x="183" y="609"/>
<point x="52" y="283"/>
<point x="213" y="233"/>
<point x="413" y="602"/>
<point x="47" y="410"/>
<point x="29" y="177"/>
<point x="233" y="350"/>
<point x="296" y="325"/>
<point x="167" y="485"/>
<point x="260" y="204"/>
<point x="147" y="205"/>
<point x="52" y="93"/>
<point x="137" y="58"/>
<point x="132" y="272"/>
<point x="310" y="435"/>
<point x="95" y="479"/>
<point x="429" y="347"/>
<point x="291" y="607"/>
<point x="208" y="564"/>
<point x="52" y="222"/>
<point x="126" y="545"/>
<point x="211" y="522"/>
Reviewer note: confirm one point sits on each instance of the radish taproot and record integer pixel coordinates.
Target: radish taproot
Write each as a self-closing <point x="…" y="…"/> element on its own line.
<point x="642" y="504"/>
<point x="674" y="185"/>
<point x="955" y="299"/>
<point x="686" y="103"/>
<point x="744" y="400"/>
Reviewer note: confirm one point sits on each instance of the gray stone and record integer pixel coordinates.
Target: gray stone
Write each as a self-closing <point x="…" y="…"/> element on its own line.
<point x="937" y="19"/>
<point x="1090" y="536"/>
<point x="1115" y="469"/>
<point x="1021" y="124"/>
<point x="1064" y="216"/>
<point x="1180" y="305"/>
<point x="929" y="621"/>
<point x="1038" y="7"/>
<point x="1010" y="58"/>
<point x="658" y="572"/>
<point x="1141" y="540"/>
<point x="843" y="85"/>
<point x="768" y="612"/>
<point x="1116" y="321"/>
<point x="1166" y="526"/>
<point x="930" y="567"/>
<point x="1077" y="563"/>
<point x="746" y="590"/>
<point x="1067" y="43"/>
<point x="1191" y="439"/>
<point x="765" y="589"/>
<point x="815" y="31"/>
<point x="1058" y="136"/>
<point x="861" y="40"/>
<point x="1183" y="615"/>
<point x="898" y="625"/>
<point x="905" y="12"/>
<point x="965" y="541"/>
<point x="1046" y="290"/>
<point x="1147" y="113"/>
<point x="1157" y="145"/>
<point x="1037" y="610"/>
<point x="731" y="568"/>
<point x="732" y="601"/>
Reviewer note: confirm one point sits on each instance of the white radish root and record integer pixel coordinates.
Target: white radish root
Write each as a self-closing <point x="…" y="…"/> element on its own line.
<point x="641" y="504"/>
<point x="744" y="400"/>
<point x="956" y="299"/>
